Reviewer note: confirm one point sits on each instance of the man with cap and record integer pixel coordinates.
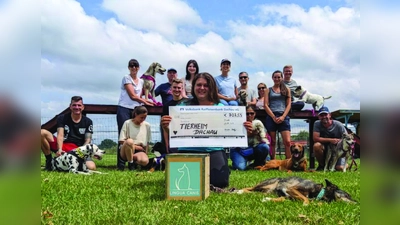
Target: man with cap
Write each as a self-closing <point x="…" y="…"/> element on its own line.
<point x="327" y="131"/>
<point x="227" y="88"/>
<point x="165" y="89"/>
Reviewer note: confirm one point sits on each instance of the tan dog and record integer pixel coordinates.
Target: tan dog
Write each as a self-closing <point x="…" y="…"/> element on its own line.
<point x="297" y="162"/>
<point x="149" y="81"/>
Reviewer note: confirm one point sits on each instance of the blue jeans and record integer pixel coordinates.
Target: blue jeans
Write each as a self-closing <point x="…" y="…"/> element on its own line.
<point x="240" y="162"/>
<point x="233" y="102"/>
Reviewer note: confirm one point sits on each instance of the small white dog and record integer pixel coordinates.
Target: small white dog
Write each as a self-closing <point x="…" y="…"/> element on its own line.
<point x="303" y="95"/>
<point x="261" y="136"/>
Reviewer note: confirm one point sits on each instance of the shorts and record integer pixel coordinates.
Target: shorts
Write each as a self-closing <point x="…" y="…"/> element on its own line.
<point x="273" y="127"/>
<point x="67" y="146"/>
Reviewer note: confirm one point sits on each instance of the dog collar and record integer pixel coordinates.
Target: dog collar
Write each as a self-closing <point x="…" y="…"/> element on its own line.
<point x="321" y="194"/>
<point x="301" y="96"/>
<point x="80" y="153"/>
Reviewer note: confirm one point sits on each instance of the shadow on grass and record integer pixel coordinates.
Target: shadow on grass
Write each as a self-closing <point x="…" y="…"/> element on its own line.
<point x="156" y="188"/>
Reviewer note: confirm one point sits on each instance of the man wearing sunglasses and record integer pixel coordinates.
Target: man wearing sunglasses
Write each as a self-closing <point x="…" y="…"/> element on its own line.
<point x="251" y="94"/>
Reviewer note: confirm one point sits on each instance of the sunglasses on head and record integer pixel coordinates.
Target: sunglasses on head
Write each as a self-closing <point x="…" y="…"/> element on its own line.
<point x="244" y="77"/>
<point x="261" y="88"/>
<point x="250" y="114"/>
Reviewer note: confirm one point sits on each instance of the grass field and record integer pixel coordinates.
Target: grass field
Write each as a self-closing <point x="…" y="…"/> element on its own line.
<point x="138" y="197"/>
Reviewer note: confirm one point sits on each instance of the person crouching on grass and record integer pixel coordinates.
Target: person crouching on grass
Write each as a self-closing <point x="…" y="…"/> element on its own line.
<point x="134" y="138"/>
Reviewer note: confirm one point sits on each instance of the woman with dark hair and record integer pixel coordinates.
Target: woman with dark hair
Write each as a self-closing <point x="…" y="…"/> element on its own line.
<point x="204" y="90"/>
<point x="134" y="138"/>
<point x="192" y="68"/>
<point x="277" y="104"/>
<point x="258" y="145"/>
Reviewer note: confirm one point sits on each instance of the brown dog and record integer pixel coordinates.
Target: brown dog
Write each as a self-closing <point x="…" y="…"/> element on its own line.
<point x="297" y="163"/>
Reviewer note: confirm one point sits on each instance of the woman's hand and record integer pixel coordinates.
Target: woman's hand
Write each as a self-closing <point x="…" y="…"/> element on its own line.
<point x="165" y="121"/>
<point x="139" y="148"/>
<point x="279" y="119"/>
<point x="148" y="103"/>
<point x="249" y="126"/>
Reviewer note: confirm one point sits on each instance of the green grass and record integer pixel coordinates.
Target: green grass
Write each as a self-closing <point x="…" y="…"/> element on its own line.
<point x="139" y="198"/>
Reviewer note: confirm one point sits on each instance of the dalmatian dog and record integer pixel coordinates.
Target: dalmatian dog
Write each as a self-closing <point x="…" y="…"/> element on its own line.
<point x="74" y="161"/>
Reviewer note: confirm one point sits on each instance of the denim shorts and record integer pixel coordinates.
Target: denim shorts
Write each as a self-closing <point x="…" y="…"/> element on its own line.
<point x="273" y="127"/>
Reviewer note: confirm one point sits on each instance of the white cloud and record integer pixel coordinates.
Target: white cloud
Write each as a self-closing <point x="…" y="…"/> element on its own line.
<point x="160" y="16"/>
<point x="88" y="56"/>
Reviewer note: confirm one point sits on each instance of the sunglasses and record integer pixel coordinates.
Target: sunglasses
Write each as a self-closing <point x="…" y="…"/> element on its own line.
<point x="244" y="77"/>
<point x="261" y="88"/>
<point x="250" y="114"/>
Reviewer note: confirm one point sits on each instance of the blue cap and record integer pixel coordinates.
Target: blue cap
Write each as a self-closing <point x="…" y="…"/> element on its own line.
<point x="171" y="69"/>
<point x="225" y="60"/>
<point x="323" y="109"/>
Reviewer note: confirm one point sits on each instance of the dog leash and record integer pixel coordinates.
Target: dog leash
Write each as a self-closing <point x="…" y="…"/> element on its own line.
<point x="353" y="161"/>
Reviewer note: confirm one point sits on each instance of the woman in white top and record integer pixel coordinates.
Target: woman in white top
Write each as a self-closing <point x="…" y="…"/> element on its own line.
<point x="192" y="68"/>
<point x="135" y="137"/>
<point x="130" y="97"/>
<point x="260" y="100"/>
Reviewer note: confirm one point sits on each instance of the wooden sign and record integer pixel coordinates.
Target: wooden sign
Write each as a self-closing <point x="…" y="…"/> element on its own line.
<point x="187" y="176"/>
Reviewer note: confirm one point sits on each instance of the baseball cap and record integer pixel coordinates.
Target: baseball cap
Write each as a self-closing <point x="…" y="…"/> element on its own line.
<point x="133" y="62"/>
<point x="225" y="60"/>
<point x="171" y="69"/>
<point x="323" y="109"/>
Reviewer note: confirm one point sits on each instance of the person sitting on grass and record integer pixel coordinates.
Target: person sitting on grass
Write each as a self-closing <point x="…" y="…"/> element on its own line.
<point x="134" y="139"/>
<point x="73" y="130"/>
<point x="258" y="149"/>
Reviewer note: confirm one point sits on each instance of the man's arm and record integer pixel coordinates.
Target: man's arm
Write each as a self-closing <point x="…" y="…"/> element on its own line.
<point x="60" y="140"/>
<point x="88" y="138"/>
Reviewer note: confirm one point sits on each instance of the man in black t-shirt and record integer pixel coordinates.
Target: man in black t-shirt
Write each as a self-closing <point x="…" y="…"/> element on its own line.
<point x="176" y="88"/>
<point x="73" y="130"/>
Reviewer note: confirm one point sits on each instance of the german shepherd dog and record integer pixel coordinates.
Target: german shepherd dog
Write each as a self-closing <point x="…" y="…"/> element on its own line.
<point x="149" y="81"/>
<point x="341" y="149"/>
<point x="297" y="162"/>
<point x="296" y="188"/>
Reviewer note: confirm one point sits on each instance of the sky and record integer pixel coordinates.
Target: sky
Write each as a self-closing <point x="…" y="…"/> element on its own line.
<point x="86" y="45"/>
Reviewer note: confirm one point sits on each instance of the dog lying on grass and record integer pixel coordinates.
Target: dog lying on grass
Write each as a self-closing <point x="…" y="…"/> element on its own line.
<point x="74" y="161"/>
<point x="297" y="162"/>
<point x="149" y="81"/>
<point x="303" y="95"/>
<point x="341" y="149"/>
<point x="297" y="188"/>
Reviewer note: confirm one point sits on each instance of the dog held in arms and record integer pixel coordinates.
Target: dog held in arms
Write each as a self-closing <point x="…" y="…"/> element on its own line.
<point x="297" y="162"/>
<point x="341" y="149"/>
<point x="297" y="188"/>
<point x="149" y="81"/>
<point x="74" y="161"/>
<point x="242" y="97"/>
<point x="303" y="95"/>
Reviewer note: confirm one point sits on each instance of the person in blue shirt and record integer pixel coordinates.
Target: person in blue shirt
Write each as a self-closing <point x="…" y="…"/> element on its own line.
<point x="227" y="86"/>
<point x="204" y="91"/>
<point x="165" y="89"/>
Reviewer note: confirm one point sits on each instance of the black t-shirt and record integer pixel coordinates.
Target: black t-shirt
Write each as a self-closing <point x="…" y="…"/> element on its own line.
<point x="75" y="132"/>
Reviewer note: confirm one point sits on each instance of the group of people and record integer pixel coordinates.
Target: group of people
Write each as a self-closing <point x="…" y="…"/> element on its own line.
<point x="75" y="129"/>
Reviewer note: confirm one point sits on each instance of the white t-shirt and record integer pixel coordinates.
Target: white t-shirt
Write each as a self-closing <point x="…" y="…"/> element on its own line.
<point x="124" y="99"/>
<point x="141" y="134"/>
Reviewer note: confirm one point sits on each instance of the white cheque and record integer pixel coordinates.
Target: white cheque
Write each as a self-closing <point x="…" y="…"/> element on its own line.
<point x="207" y="126"/>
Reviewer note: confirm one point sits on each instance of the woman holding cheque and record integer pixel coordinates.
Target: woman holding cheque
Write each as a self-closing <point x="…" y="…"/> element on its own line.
<point x="204" y="92"/>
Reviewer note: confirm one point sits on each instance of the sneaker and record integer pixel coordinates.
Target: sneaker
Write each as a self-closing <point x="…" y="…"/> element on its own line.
<point x="132" y="166"/>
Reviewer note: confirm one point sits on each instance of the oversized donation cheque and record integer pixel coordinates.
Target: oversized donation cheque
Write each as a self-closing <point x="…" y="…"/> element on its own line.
<point x="207" y="126"/>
